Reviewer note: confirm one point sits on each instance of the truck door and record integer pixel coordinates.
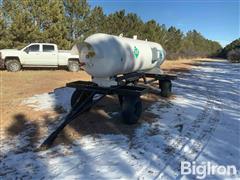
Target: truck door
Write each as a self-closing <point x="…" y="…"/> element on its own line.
<point x="49" y="55"/>
<point x="32" y="56"/>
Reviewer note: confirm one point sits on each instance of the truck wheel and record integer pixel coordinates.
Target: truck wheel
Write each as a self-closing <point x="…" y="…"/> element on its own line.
<point x="131" y="109"/>
<point x="79" y="96"/>
<point x="166" y="88"/>
<point x="13" y="65"/>
<point x="73" y="66"/>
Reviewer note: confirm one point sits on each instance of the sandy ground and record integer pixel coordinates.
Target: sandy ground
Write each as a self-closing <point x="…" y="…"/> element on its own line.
<point x="200" y="123"/>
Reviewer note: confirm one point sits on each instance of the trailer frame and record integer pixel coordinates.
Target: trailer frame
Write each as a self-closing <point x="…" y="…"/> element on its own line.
<point x="123" y="81"/>
<point x="129" y="88"/>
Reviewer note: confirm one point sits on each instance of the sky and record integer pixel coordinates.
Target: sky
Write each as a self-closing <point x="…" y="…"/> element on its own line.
<point x="215" y="19"/>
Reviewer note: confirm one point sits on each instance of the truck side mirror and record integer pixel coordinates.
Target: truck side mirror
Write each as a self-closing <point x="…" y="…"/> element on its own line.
<point x="27" y="50"/>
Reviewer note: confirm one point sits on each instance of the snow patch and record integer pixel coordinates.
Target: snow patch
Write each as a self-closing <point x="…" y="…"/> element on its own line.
<point x="49" y="101"/>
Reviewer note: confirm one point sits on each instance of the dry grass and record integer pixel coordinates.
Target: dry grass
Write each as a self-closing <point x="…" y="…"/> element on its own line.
<point x="178" y="66"/>
<point x="20" y="85"/>
<point x="17" y="86"/>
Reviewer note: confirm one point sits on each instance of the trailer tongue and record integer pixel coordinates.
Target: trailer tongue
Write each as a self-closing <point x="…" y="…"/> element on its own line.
<point x="78" y="108"/>
<point x="129" y="90"/>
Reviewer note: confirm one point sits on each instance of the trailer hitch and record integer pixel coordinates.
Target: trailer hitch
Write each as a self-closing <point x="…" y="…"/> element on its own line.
<point x="76" y="110"/>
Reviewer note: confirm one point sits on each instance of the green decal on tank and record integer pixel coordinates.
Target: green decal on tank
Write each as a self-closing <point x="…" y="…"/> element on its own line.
<point x="136" y="52"/>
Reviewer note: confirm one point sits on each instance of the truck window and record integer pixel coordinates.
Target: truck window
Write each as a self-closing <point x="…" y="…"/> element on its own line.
<point x="48" y="48"/>
<point x="33" y="48"/>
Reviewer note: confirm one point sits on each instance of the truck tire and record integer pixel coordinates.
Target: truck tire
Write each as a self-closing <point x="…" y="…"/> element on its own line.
<point x="79" y="96"/>
<point x="13" y="65"/>
<point x="73" y="66"/>
<point x="166" y="88"/>
<point x="131" y="109"/>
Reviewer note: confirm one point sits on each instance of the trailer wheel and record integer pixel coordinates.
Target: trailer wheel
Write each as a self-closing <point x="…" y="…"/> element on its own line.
<point x="166" y="88"/>
<point x="13" y="65"/>
<point x="131" y="109"/>
<point x="73" y="66"/>
<point x="79" y="96"/>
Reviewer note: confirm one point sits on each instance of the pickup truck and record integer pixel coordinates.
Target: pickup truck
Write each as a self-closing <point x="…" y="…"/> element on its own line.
<point x="38" y="55"/>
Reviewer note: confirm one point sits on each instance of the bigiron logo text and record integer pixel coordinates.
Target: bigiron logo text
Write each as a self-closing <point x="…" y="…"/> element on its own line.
<point x="201" y="171"/>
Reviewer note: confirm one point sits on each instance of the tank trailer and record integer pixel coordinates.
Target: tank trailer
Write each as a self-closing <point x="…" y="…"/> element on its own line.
<point x="118" y="66"/>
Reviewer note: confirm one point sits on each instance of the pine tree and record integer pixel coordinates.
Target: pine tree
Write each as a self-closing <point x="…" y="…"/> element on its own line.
<point x="21" y="27"/>
<point x="76" y="13"/>
<point x="155" y="32"/>
<point x="173" y="42"/>
<point x="5" y="38"/>
<point x="36" y="21"/>
<point x="116" y="23"/>
<point x="232" y="46"/>
<point x="54" y="26"/>
<point x="134" y="25"/>
<point x="95" y="21"/>
<point x="120" y="23"/>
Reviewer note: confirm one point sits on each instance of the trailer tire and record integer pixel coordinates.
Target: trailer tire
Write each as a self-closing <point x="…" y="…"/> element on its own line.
<point x="79" y="96"/>
<point x="131" y="109"/>
<point x="73" y="66"/>
<point x="166" y="88"/>
<point x="13" y="65"/>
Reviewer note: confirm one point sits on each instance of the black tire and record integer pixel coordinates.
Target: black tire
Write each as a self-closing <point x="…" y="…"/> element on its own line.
<point x="79" y="96"/>
<point x="13" y="65"/>
<point x="131" y="109"/>
<point x="73" y="66"/>
<point x="166" y="88"/>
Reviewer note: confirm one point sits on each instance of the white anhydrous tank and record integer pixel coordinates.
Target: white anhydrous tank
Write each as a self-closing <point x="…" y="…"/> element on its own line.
<point x="106" y="55"/>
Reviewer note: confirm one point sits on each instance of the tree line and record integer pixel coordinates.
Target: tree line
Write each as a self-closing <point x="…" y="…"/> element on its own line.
<point x="231" y="51"/>
<point x="66" y="22"/>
